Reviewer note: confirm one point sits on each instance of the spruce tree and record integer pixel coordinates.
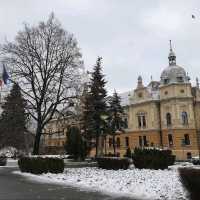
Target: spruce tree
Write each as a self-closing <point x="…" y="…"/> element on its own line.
<point x="13" y="120"/>
<point x="115" y="116"/>
<point x="95" y="107"/>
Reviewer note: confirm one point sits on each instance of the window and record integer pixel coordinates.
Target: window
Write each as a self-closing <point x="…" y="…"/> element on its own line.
<point x="166" y="81"/>
<point x="110" y="142"/>
<point x="170" y="139"/>
<point x="142" y="120"/>
<point x="184" y="118"/>
<point x="140" y="141"/>
<point x="180" y="79"/>
<point x="166" y="92"/>
<point x="125" y="123"/>
<point x="118" y="142"/>
<point x="189" y="155"/>
<point x="140" y="95"/>
<point x="139" y="122"/>
<point x="169" y="119"/>
<point x="127" y="141"/>
<point x="182" y="91"/>
<point x="187" y="139"/>
<point x="145" y="141"/>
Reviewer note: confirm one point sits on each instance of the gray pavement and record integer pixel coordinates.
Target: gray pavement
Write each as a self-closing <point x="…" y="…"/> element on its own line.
<point x="16" y="187"/>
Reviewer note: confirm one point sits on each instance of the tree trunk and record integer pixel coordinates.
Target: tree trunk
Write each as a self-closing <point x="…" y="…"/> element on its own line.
<point x="37" y="141"/>
<point x="105" y="147"/>
<point x="97" y="146"/>
<point x="114" y="145"/>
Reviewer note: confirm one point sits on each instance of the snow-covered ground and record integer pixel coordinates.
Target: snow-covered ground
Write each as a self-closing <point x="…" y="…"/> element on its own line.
<point x="139" y="184"/>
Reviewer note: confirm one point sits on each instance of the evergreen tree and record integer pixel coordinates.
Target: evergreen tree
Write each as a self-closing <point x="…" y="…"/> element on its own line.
<point x="95" y="105"/>
<point x="115" y="117"/>
<point x="13" y="120"/>
<point x="75" y="144"/>
<point x="87" y="120"/>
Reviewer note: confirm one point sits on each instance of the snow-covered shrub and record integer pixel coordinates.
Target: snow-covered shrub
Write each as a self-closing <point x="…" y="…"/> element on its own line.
<point x="114" y="163"/>
<point x="152" y="158"/>
<point x="190" y="178"/>
<point x="40" y="165"/>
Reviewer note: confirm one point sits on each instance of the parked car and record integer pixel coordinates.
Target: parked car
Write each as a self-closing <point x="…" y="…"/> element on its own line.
<point x="3" y="160"/>
<point x="196" y="160"/>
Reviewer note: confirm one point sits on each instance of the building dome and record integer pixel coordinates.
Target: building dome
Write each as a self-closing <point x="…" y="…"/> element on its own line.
<point x="173" y="73"/>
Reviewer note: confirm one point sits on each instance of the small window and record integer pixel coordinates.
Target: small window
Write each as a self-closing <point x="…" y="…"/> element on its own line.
<point x="170" y="139"/>
<point x="184" y="118"/>
<point x="169" y="119"/>
<point x="145" y="141"/>
<point x="189" y="155"/>
<point x="110" y="142"/>
<point x="144" y="121"/>
<point x="139" y="122"/>
<point x="140" y="141"/>
<point x="182" y="91"/>
<point x="125" y="123"/>
<point x="166" y="92"/>
<point x="166" y="81"/>
<point x="127" y="141"/>
<point x="140" y="95"/>
<point x="187" y="139"/>
<point x="180" y="79"/>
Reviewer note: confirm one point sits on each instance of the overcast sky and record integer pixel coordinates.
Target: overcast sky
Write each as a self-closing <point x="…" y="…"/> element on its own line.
<point x="132" y="36"/>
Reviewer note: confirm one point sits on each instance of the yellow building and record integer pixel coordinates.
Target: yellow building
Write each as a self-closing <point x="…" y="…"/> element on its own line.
<point x="164" y="114"/>
<point x="56" y="130"/>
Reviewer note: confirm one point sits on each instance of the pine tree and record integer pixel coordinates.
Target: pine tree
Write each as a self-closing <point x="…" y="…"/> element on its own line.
<point x="13" y="120"/>
<point x="95" y="106"/>
<point x="115" y="117"/>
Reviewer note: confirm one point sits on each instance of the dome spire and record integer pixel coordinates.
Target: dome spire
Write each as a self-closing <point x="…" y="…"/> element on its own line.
<point x="140" y="82"/>
<point x="172" y="56"/>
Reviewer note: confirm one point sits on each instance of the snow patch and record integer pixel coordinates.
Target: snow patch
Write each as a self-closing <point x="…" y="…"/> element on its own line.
<point x="142" y="184"/>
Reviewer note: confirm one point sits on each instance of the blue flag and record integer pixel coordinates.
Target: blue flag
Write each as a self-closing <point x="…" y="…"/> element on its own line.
<point x="5" y="75"/>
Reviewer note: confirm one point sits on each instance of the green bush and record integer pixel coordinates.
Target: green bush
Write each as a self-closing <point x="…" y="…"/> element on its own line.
<point x="75" y="144"/>
<point x="3" y="161"/>
<point x="128" y="153"/>
<point x="38" y="165"/>
<point x="152" y="158"/>
<point x="113" y="163"/>
<point x="190" y="178"/>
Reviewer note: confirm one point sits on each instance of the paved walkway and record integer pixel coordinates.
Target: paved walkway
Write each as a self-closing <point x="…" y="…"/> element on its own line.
<point x="16" y="187"/>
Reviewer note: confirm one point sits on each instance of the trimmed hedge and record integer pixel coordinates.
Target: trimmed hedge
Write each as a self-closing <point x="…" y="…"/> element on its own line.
<point x="3" y="161"/>
<point x="113" y="163"/>
<point x="152" y="158"/>
<point x="40" y="165"/>
<point x="190" y="179"/>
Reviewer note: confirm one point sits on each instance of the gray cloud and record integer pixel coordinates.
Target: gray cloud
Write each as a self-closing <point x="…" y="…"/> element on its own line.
<point x="132" y="36"/>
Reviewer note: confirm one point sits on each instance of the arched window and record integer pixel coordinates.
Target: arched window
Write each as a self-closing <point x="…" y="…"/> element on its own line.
<point x="184" y="118"/>
<point x="169" y="119"/>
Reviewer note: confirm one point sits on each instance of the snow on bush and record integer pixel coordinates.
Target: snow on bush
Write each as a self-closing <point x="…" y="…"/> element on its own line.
<point x="136" y="183"/>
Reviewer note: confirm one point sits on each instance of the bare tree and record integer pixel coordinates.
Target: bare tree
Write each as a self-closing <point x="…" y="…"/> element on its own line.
<point x="46" y="62"/>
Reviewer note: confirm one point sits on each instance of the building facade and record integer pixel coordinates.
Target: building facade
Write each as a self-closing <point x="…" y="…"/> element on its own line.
<point x="164" y="114"/>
